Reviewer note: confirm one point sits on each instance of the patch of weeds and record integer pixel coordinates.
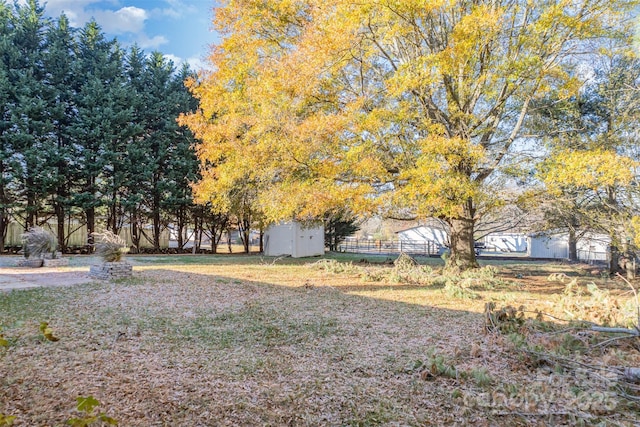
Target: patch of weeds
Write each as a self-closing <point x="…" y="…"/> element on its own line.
<point x="47" y="332"/>
<point x="440" y="281"/>
<point x="6" y="420"/>
<point x="505" y="320"/>
<point x="438" y="366"/>
<point x="517" y="339"/>
<point x="87" y="405"/>
<point x="481" y="377"/>
<point x="488" y="272"/>
<point x="590" y="303"/>
<point x="374" y="274"/>
<point x="557" y="277"/>
<point x="569" y="344"/>
<point x="379" y="415"/>
<point x="253" y="325"/>
<point x="3" y="341"/>
<point x="336" y="267"/>
<point x="415" y="366"/>
<point x="29" y="303"/>
<point x="457" y="290"/>
<point x="405" y="270"/>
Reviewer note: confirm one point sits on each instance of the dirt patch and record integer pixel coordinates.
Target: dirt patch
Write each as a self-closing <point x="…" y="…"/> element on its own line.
<point x="25" y="278"/>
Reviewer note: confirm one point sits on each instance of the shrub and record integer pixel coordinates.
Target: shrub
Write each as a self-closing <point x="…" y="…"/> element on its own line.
<point x="110" y="247"/>
<point x="37" y="242"/>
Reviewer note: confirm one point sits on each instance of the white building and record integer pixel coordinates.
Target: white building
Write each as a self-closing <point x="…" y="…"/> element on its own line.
<point x="294" y="239"/>
<point x="553" y="246"/>
<point x="590" y="247"/>
<point x="506" y="242"/>
<point x="424" y="233"/>
<point x="593" y="247"/>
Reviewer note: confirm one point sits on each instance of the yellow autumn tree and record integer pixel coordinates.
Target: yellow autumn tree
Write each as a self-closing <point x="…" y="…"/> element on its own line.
<point x="385" y="105"/>
<point x="590" y="173"/>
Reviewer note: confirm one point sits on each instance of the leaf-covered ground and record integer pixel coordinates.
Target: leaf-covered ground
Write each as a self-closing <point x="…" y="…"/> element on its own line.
<point x="244" y="341"/>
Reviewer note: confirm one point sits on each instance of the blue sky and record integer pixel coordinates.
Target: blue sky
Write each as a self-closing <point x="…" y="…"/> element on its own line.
<point x="180" y="29"/>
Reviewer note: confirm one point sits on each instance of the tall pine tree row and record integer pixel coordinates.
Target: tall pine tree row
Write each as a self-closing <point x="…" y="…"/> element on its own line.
<point x="88" y="131"/>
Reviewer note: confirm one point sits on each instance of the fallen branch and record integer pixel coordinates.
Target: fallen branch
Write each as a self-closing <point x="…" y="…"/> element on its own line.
<point x="633" y="332"/>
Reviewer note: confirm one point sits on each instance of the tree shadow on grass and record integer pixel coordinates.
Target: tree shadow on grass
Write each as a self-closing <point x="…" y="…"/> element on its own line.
<point x="194" y="348"/>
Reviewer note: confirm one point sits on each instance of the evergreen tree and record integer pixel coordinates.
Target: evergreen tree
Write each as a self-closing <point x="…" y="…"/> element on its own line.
<point x="8" y="54"/>
<point x="59" y="62"/>
<point x="96" y="70"/>
<point x="338" y="226"/>
<point x="30" y="121"/>
<point x="181" y="167"/>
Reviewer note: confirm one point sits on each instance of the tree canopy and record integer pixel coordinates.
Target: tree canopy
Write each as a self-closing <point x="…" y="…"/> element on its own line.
<point x="405" y="108"/>
<point x="88" y="130"/>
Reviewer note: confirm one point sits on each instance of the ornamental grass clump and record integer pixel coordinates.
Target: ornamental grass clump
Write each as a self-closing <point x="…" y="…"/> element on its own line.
<point x="37" y="242"/>
<point x="109" y="246"/>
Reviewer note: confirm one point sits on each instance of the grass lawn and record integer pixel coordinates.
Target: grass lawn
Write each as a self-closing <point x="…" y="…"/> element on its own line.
<point x="245" y="340"/>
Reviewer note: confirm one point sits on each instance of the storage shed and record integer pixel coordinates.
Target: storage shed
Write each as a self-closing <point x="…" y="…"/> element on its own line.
<point x="593" y="247"/>
<point x="294" y="239"/>
<point x="555" y="246"/>
<point x="590" y="247"/>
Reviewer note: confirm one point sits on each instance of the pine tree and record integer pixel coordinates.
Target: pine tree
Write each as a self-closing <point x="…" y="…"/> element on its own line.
<point x="8" y="171"/>
<point x="96" y="70"/>
<point x="59" y="62"/>
<point x="181" y="167"/>
<point x="31" y="95"/>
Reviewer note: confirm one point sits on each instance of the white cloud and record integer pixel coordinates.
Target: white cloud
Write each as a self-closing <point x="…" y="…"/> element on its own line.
<point x="150" y="43"/>
<point x="197" y="64"/>
<point x="129" y="19"/>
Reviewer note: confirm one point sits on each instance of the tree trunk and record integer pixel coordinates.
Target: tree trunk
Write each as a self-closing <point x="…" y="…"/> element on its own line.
<point x="134" y="231"/>
<point x="90" y="213"/>
<point x="573" y="245"/>
<point x="261" y="240"/>
<point x="244" y="231"/>
<point x="156" y="223"/>
<point x="4" y="217"/>
<point x="31" y="217"/>
<point x="180" y="225"/>
<point x="462" y="256"/>
<point x="3" y="228"/>
<point x="60" y="217"/>
<point x="112" y="222"/>
<point x="614" y="260"/>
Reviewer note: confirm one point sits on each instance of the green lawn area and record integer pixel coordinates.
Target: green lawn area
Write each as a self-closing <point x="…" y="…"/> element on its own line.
<point x="342" y="340"/>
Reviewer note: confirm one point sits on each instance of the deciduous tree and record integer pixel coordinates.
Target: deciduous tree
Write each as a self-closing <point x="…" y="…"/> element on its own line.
<point x="408" y="105"/>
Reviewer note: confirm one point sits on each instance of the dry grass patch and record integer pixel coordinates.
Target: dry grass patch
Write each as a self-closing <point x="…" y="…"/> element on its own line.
<point x="263" y="343"/>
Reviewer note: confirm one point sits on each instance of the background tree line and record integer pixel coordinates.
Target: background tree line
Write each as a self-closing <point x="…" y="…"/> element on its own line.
<point x="89" y="137"/>
<point x="88" y="132"/>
